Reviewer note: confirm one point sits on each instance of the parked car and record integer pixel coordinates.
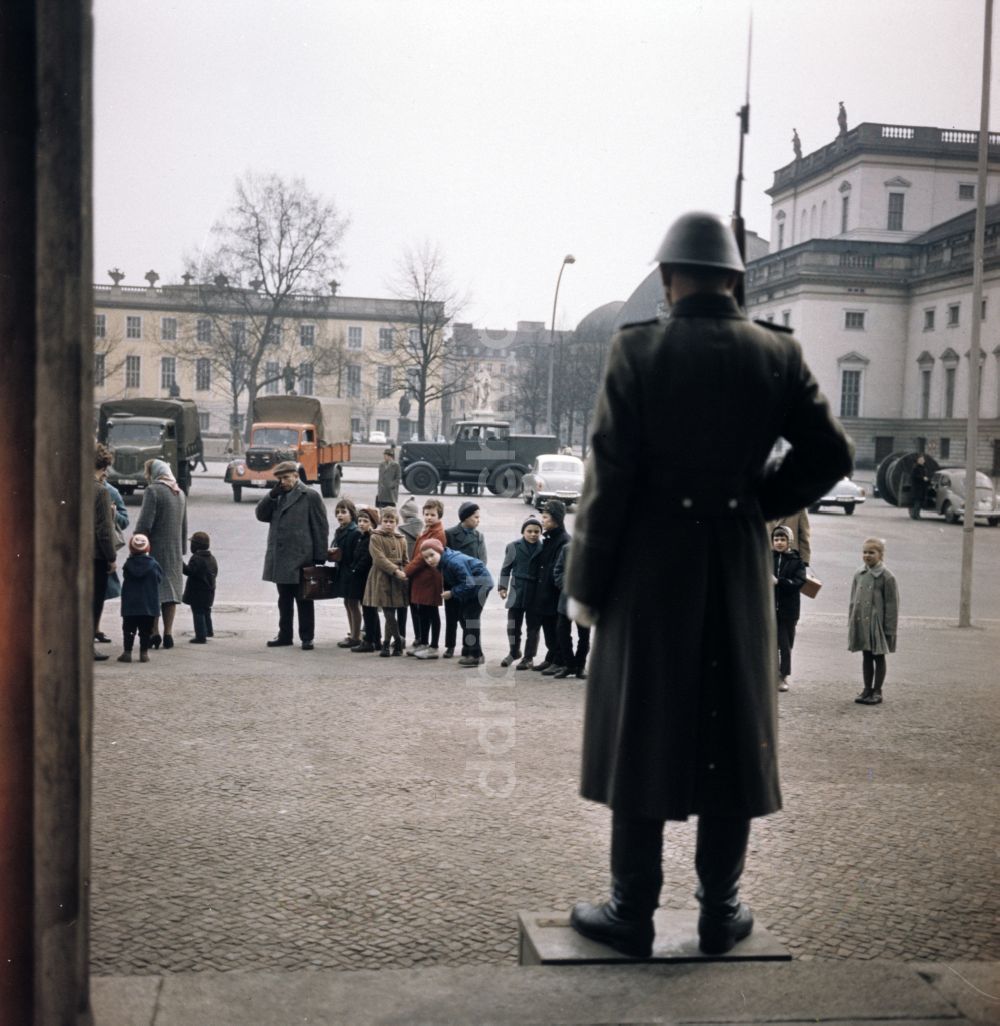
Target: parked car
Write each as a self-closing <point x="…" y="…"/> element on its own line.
<point x="553" y="477"/>
<point x="947" y="492"/>
<point x="845" y="494"/>
<point x="377" y="437"/>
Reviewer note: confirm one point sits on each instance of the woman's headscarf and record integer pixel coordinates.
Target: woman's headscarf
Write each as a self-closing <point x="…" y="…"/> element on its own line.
<point x="159" y="470"/>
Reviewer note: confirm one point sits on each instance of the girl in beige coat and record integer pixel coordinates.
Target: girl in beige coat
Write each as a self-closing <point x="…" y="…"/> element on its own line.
<point x="384" y="589"/>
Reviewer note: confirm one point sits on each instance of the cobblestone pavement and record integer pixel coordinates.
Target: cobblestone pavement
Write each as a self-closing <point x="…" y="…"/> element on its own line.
<point x="263" y="808"/>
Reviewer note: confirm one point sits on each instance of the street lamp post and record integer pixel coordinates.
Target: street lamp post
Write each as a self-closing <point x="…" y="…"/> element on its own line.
<point x="568" y="259"/>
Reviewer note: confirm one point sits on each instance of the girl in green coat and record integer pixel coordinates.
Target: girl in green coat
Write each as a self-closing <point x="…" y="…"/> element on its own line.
<point x="872" y="618"/>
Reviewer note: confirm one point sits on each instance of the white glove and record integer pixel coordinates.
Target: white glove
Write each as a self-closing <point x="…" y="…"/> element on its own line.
<point x="583" y="615"/>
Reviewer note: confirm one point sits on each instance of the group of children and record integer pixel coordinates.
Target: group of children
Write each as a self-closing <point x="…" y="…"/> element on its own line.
<point x="393" y="563"/>
<point x="872" y="617"/>
<point x="140" y="593"/>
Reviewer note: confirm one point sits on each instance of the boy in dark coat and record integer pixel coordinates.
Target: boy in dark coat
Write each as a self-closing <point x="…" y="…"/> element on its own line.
<point x="570" y="662"/>
<point x="518" y="577"/>
<point x="368" y="519"/>
<point x="342" y="549"/>
<point x="464" y="537"/>
<point x="141" y="576"/>
<point x="546" y="600"/>
<point x="201" y="571"/>
<point x="467" y="582"/>
<point x="789" y="576"/>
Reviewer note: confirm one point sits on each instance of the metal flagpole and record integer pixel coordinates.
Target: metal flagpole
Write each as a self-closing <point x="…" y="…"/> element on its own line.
<point x="972" y="427"/>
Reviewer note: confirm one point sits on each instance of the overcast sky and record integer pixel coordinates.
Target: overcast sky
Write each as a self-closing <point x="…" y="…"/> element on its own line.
<point x="509" y="132"/>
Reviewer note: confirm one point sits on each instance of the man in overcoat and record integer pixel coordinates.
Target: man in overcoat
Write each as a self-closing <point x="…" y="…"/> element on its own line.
<point x="680" y="715"/>
<point x="297" y="536"/>
<point x="388" y="480"/>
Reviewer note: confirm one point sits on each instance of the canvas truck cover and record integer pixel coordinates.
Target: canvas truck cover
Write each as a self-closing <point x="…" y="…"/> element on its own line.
<point x="332" y="417"/>
<point x="184" y="412"/>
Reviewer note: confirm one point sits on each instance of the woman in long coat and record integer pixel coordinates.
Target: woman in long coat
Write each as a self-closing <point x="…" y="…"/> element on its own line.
<point x="163" y="519"/>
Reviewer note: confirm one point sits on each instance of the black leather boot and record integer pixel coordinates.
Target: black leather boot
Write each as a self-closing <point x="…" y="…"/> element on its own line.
<point x="719" y="859"/>
<point x="625" y="921"/>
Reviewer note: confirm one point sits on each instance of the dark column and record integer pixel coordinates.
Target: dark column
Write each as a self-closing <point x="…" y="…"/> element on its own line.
<point x="46" y="330"/>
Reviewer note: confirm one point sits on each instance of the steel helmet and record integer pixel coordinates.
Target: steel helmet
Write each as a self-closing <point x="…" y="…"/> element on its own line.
<point x="700" y="240"/>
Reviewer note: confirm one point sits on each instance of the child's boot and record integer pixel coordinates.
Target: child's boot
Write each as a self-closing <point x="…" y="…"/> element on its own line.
<point x="385" y="651"/>
<point x="143" y="655"/>
<point x="865" y="697"/>
<point x="125" y="657"/>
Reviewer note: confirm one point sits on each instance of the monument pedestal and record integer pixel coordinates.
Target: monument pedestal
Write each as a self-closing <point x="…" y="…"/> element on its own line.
<point x="546" y="938"/>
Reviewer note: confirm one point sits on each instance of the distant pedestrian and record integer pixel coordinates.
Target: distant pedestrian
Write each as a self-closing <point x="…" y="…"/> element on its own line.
<point x="467" y="581"/>
<point x="518" y="580"/>
<point x="342" y="551"/>
<point x="873" y="619"/>
<point x="298" y="535"/>
<point x="389" y="475"/>
<point x="919" y="483"/>
<point x="789" y="571"/>
<point x="140" y="605"/>
<point x="464" y="537"/>
<point x="163" y="519"/>
<point x="387" y="588"/>
<point x="426" y="586"/>
<point x="201" y="571"/>
<point x="104" y="556"/>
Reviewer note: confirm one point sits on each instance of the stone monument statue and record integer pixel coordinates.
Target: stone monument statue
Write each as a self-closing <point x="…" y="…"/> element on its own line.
<point x="842" y="119"/>
<point x="481" y="389"/>
<point x="796" y="144"/>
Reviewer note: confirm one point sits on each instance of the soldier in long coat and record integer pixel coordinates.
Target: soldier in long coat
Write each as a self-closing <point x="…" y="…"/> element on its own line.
<point x="296" y="537"/>
<point x="681" y="706"/>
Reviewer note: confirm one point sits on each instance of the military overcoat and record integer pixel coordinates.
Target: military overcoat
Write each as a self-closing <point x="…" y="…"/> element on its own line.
<point x="680" y="713"/>
<point x="297" y="533"/>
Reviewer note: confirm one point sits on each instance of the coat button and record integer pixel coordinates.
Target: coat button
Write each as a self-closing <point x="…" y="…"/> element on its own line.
<point x="686" y="502"/>
<point x="711" y="765"/>
<point x="733" y="503"/>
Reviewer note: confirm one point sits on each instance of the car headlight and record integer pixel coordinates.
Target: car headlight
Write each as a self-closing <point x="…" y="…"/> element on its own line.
<point x="539" y="482"/>
<point x="241" y="469"/>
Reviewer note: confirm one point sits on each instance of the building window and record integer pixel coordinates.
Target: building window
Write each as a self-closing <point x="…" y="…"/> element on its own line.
<point x="203" y="330"/>
<point x="953" y="309"/>
<point x="204" y="420"/>
<point x="925" y="393"/>
<point x="272" y="375"/>
<point x="415" y="338"/>
<point x="133" y="327"/>
<point x="307" y="384"/>
<point x="850" y="393"/>
<point x="413" y="381"/>
<point x="845" y="206"/>
<point x="100" y="369"/>
<point x="854" y="320"/>
<point x="353" y="380"/>
<point x="307" y="335"/>
<point x="132" y="371"/>
<point x="966" y="191"/>
<point x="385" y="340"/>
<point x="385" y="388"/>
<point x="781" y="235"/>
<point x="100" y="326"/>
<point x="382" y="425"/>
<point x="949" y="392"/>
<point x="982" y="311"/>
<point x="168" y="329"/>
<point x="203" y="374"/>
<point x="274" y="334"/>
<point x="168" y="372"/>
<point x="237" y="333"/>
<point x="355" y="427"/>
<point x="354" y="337"/>
<point x="786" y="318"/>
<point x="895" y="222"/>
<point x="928" y="320"/>
<point x="944" y="448"/>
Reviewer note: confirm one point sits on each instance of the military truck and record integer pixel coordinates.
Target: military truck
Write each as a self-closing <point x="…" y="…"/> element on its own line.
<point x="145" y="429"/>
<point x="484" y="452"/>
<point x="314" y="433"/>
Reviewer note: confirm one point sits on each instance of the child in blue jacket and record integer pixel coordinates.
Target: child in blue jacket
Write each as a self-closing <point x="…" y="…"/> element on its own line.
<point x="467" y="581"/>
<point x="141" y="577"/>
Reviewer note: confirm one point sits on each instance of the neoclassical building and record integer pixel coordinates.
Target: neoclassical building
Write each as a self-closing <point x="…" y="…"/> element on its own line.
<point x="870" y="263"/>
<point x="158" y="341"/>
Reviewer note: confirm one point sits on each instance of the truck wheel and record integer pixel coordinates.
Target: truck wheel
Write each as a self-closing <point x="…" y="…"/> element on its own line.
<point x="329" y="484"/>
<point x="237" y="493"/>
<point x="506" y="482"/>
<point x="849" y="508"/>
<point x="421" y="479"/>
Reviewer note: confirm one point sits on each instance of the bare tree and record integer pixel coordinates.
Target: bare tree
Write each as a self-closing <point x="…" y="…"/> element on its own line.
<point x="424" y="350"/>
<point x="529" y="387"/>
<point x="275" y="250"/>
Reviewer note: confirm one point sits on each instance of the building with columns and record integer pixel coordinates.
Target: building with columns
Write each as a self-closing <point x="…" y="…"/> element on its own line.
<point x="870" y="264"/>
